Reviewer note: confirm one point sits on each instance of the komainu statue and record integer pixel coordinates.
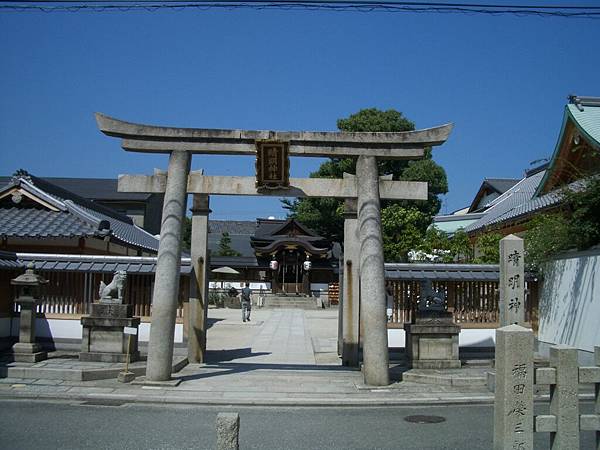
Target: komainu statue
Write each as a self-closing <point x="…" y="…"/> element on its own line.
<point x="113" y="292"/>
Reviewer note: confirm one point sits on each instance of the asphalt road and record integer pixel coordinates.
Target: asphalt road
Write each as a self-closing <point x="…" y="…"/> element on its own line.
<point x="64" y="425"/>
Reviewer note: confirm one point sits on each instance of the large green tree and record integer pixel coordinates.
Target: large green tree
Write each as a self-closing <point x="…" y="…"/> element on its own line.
<point x="406" y="220"/>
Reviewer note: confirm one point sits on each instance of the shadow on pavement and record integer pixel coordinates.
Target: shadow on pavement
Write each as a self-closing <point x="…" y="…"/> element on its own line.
<point x="217" y="356"/>
<point x="210" y="322"/>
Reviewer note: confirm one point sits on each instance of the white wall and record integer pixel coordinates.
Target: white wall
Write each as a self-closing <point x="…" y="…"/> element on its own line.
<point x="72" y="329"/>
<point x="570" y="302"/>
<point x="475" y="337"/>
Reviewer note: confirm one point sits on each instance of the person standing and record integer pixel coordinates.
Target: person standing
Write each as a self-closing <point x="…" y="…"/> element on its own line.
<point x="246" y="302"/>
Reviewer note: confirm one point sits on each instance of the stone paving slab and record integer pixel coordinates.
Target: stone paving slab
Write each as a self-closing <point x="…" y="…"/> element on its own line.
<point x="269" y="361"/>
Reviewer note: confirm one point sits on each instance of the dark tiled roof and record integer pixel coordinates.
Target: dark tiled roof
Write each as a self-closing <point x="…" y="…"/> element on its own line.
<point x="127" y="232"/>
<point x="247" y="227"/>
<point x="234" y="262"/>
<point x="39" y="223"/>
<point x="104" y="264"/>
<point x="8" y="260"/>
<point x="444" y="272"/>
<point x="91" y="188"/>
<point x="76" y="217"/>
<point x="268" y="227"/>
<point x="239" y="242"/>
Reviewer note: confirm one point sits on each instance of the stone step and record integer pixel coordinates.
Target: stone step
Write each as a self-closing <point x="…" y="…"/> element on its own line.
<point x="290" y="302"/>
<point x="447" y="377"/>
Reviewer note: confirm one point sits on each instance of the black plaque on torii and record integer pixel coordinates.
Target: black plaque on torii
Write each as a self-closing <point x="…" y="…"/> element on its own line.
<point x="272" y="165"/>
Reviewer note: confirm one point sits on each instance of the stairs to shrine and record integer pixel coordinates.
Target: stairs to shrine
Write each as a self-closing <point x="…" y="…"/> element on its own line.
<point x="290" y="301"/>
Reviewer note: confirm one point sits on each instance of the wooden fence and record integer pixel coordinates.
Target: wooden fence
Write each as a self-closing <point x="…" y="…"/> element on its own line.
<point x="474" y="304"/>
<point x="71" y="293"/>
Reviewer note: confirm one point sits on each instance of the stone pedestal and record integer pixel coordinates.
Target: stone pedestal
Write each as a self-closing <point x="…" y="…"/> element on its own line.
<point x="432" y="341"/>
<point x="103" y="337"/>
<point x="27" y="350"/>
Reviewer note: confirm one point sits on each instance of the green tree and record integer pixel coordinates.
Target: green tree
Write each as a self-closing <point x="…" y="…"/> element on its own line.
<point x="186" y="239"/>
<point x="489" y="248"/>
<point x="325" y="216"/>
<point x="461" y="247"/>
<point x="225" y="246"/>
<point x="583" y="205"/>
<point x="546" y="235"/>
<point x="402" y="230"/>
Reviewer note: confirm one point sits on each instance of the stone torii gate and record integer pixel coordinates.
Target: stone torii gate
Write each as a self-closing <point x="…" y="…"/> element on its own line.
<point x="366" y="187"/>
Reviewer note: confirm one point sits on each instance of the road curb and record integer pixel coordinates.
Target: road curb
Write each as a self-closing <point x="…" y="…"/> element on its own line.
<point x="316" y="403"/>
<point x="176" y="400"/>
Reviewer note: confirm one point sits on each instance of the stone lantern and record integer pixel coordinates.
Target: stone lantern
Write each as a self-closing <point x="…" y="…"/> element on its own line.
<point x="29" y="289"/>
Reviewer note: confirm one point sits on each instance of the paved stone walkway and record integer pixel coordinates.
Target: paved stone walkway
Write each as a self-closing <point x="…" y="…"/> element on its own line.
<point x="281" y="357"/>
<point x="283" y="339"/>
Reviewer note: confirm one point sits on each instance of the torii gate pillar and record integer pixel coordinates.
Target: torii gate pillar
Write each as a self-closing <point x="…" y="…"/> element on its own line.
<point x="168" y="266"/>
<point x="372" y="274"/>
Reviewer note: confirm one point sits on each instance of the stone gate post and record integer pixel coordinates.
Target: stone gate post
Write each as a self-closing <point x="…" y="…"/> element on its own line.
<point x="198" y="302"/>
<point x="372" y="274"/>
<point x="168" y="267"/>
<point x="351" y="287"/>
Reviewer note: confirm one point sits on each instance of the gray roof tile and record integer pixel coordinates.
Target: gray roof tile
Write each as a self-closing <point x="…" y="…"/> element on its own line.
<point x="90" y="263"/>
<point x="91" y="188"/>
<point x="245" y="227"/>
<point x="32" y="222"/>
<point x="77" y="217"/>
<point x="509" y="204"/>
<point x="8" y="260"/>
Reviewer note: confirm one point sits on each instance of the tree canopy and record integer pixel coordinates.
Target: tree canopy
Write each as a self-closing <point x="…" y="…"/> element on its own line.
<point x="404" y="222"/>
<point x="225" y="246"/>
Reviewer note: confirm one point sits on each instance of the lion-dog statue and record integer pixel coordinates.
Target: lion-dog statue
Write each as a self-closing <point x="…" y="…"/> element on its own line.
<point x="113" y="292"/>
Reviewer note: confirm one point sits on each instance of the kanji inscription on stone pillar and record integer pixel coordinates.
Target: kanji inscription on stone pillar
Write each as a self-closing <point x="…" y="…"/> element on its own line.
<point x="512" y="281"/>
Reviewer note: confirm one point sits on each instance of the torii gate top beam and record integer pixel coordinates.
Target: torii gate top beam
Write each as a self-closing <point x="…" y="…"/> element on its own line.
<point x="153" y="139"/>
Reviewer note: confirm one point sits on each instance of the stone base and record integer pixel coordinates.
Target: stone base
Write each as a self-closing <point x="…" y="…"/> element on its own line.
<point x="108" y="357"/>
<point x="432" y="341"/>
<point x="28" y="352"/>
<point x="29" y="357"/>
<point x="436" y="364"/>
<point x="103" y="338"/>
<point x="126" y="377"/>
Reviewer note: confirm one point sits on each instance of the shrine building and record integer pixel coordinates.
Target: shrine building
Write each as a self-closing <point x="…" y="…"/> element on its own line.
<point x="282" y="254"/>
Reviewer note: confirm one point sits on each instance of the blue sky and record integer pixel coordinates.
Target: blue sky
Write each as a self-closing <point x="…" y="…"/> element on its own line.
<point x="502" y="81"/>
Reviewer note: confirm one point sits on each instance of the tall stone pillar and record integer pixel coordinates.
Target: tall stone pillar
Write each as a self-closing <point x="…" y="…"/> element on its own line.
<point x="372" y="275"/>
<point x="198" y="303"/>
<point x="168" y="266"/>
<point x="512" y="281"/>
<point x="513" y="401"/>
<point x="351" y="287"/>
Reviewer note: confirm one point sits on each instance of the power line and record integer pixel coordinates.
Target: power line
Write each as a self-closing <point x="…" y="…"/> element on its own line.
<point x="562" y="11"/>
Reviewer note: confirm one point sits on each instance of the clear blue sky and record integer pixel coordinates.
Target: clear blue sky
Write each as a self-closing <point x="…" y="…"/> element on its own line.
<point x="503" y="81"/>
